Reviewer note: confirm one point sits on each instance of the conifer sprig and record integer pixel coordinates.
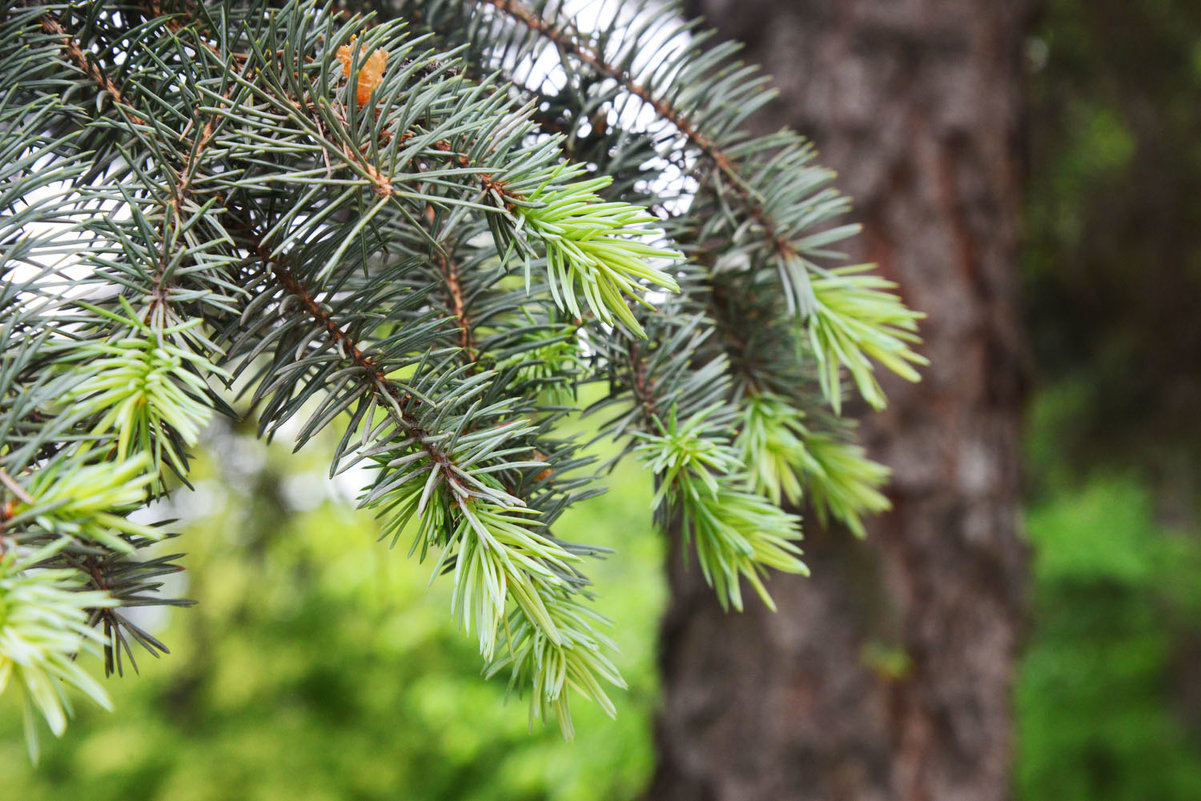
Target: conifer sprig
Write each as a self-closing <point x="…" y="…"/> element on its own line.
<point x="595" y="249"/>
<point x="763" y="207"/>
<point x="736" y="534"/>
<point x="44" y="625"/>
<point x="137" y="386"/>
<point x="787" y="459"/>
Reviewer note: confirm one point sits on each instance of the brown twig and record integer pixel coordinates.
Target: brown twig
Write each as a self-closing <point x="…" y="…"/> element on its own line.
<point x="450" y="272"/>
<point x="75" y="53"/>
<point x="375" y="373"/>
<point x="644" y="385"/>
<point x="16" y="489"/>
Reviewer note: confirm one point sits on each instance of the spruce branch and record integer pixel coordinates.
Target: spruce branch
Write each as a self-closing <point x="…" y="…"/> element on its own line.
<point x="467" y="488"/>
<point x="94" y="398"/>
<point x="487" y="536"/>
<point x="370" y="235"/>
<point x="685" y="436"/>
<point x="736" y="534"/>
<point x="75" y="54"/>
<point x="540" y="207"/>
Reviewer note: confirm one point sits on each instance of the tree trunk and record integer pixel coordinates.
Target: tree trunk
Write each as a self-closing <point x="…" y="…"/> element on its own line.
<point x="887" y="675"/>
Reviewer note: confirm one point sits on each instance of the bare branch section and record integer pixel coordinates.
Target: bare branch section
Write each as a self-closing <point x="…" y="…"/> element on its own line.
<point x="454" y="288"/>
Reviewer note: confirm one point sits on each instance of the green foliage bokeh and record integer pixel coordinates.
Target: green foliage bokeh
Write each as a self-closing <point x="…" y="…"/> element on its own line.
<point x="1114" y="601"/>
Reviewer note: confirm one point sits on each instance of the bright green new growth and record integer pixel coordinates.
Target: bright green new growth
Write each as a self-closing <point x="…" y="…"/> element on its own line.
<point x="138" y="388"/>
<point x="574" y="659"/>
<point x="784" y="456"/>
<point x="140" y="405"/>
<point x="772" y="446"/>
<point x="89" y="501"/>
<point x="843" y="482"/>
<point x="595" y="249"/>
<point x="687" y="457"/>
<point x="857" y="319"/>
<point x="430" y="272"/>
<point x="499" y="556"/>
<point x="44" y="625"/>
<point x="737" y="534"/>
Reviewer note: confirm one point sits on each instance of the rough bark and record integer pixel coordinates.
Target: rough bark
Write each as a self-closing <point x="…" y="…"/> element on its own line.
<point x="887" y="675"/>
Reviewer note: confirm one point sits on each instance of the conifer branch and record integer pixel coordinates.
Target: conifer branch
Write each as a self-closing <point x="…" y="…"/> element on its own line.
<point x="783" y="196"/>
<point x="392" y="397"/>
<point x="342" y="220"/>
<point x="573" y="44"/>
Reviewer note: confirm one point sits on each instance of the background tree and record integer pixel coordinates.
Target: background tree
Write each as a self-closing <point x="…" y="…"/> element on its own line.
<point x="346" y="225"/>
<point x="890" y="675"/>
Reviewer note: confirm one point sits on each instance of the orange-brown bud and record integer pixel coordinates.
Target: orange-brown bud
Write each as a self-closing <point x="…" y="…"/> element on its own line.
<point x="371" y="71"/>
<point x="541" y="457"/>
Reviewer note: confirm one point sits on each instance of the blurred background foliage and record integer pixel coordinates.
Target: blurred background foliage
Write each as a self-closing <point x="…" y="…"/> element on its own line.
<point x="1109" y="701"/>
<point x="319" y="666"/>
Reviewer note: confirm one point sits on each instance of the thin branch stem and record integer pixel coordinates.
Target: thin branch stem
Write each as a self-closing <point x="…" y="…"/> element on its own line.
<point x="15" y="488"/>
<point x="454" y="289"/>
<point x="643" y="386"/>
<point x="74" y="52"/>
<point x="395" y="400"/>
